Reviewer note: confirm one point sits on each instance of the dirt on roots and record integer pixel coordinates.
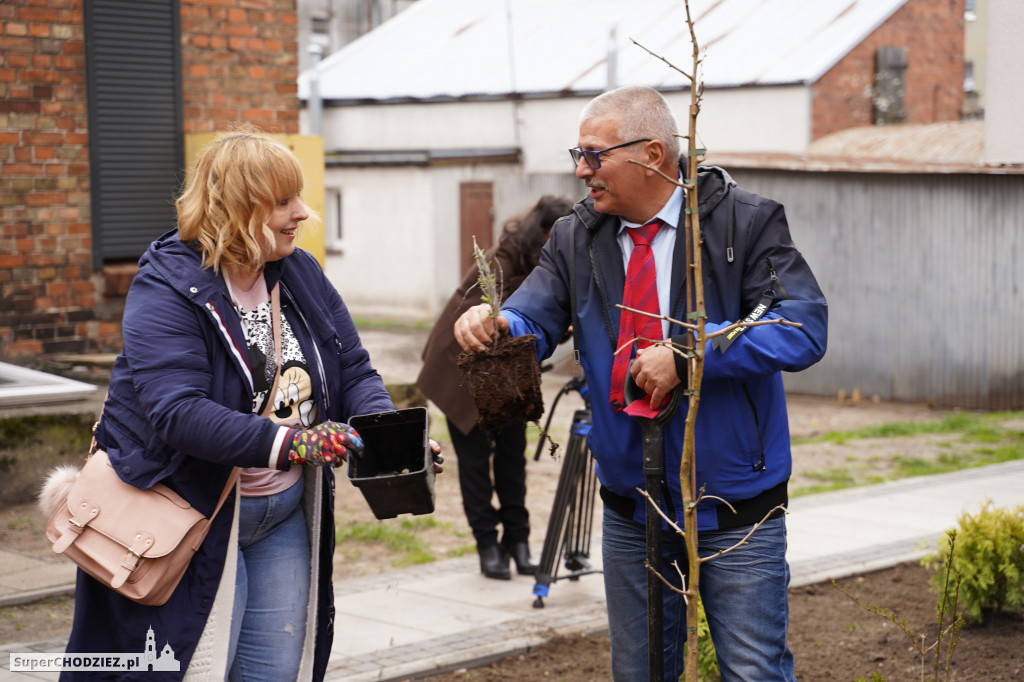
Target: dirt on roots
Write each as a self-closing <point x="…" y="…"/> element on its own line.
<point x="504" y="381"/>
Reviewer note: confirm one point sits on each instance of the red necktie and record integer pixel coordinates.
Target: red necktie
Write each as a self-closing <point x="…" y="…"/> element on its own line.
<point x="641" y="293"/>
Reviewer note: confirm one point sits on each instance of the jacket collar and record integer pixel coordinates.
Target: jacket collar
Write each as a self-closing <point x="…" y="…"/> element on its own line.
<point x="712" y="183"/>
<point x="605" y="255"/>
<point x="180" y="265"/>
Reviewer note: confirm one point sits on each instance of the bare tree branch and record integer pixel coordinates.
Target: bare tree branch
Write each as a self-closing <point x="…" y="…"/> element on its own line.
<point x="692" y="78"/>
<point x="668" y="319"/>
<point x="710" y="335"/>
<point x="685" y="591"/>
<point x="675" y="181"/>
<point x="743" y="541"/>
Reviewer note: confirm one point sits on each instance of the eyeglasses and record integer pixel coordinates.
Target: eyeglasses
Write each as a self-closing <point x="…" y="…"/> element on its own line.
<point x="593" y="157"/>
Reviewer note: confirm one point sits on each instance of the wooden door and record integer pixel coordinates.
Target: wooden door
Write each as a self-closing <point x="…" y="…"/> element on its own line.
<point x="476" y="219"/>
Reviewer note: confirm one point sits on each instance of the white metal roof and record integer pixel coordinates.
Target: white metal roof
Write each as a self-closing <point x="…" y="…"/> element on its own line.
<point x="440" y="49"/>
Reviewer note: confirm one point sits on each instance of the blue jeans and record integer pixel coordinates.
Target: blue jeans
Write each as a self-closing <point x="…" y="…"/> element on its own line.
<point x="271" y="588"/>
<point x="744" y="594"/>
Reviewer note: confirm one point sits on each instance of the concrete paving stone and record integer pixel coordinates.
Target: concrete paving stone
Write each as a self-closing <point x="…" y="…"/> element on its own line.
<point x="427" y="615"/>
<point x="855" y="561"/>
<point x="355" y="637"/>
<point x="472" y="590"/>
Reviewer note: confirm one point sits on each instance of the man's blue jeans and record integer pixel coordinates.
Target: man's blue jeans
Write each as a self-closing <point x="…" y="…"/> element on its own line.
<point x="271" y="588"/>
<point x="744" y="594"/>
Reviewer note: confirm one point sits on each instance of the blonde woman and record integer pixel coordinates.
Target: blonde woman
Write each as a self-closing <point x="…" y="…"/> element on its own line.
<point x="202" y="387"/>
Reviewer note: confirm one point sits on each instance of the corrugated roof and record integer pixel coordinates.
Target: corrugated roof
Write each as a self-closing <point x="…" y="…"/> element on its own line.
<point x="944" y="142"/>
<point x="440" y="49"/>
<point x="945" y="147"/>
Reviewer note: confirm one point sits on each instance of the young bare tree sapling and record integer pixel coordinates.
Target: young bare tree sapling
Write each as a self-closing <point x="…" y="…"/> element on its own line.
<point x="949" y="620"/>
<point x="696" y="317"/>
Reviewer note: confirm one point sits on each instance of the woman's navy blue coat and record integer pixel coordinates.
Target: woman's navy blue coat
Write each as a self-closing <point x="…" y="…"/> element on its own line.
<point x="179" y="412"/>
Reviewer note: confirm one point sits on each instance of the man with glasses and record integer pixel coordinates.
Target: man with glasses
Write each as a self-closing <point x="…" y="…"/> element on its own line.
<point x="626" y="244"/>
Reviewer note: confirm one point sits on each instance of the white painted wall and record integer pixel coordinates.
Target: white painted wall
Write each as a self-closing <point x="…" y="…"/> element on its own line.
<point x="1004" y="82"/>
<point x="388" y="227"/>
<point x="400" y="256"/>
<point x="768" y="119"/>
<point x="442" y="125"/>
<point x="549" y="127"/>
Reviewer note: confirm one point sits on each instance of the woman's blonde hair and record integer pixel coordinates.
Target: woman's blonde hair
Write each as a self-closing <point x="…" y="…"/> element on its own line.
<point x="231" y="195"/>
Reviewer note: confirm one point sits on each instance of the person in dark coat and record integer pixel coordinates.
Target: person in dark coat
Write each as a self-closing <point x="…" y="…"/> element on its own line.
<point x="480" y="453"/>
<point x="201" y="387"/>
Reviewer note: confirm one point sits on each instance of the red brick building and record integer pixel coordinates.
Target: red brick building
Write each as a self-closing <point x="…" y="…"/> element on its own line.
<point x="930" y="34"/>
<point x="238" y="63"/>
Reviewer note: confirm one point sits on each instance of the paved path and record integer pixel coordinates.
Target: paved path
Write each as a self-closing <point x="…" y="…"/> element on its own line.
<point x="446" y="615"/>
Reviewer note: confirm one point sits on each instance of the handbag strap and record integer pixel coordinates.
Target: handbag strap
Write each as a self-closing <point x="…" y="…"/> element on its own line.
<point x="232" y="478"/>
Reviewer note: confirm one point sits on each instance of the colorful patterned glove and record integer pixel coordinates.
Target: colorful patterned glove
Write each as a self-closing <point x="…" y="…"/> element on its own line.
<point x="326" y="444"/>
<point x="435" y="451"/>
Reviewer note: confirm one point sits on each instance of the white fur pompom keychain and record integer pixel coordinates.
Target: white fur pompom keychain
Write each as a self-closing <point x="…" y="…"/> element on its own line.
<point x="56" y="487"/>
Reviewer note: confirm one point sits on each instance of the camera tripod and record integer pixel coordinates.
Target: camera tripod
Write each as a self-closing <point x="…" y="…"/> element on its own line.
<point x="572" y="513"/>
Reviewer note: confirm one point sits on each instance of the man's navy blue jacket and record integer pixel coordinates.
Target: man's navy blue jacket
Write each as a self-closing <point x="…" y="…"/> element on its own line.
<point x="742" y="433"/>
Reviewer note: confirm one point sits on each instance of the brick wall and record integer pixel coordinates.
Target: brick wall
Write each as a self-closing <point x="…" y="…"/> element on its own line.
<point x="239" y="62"/>
<point x="932" y="31"/>
<point x="47" y="287"/>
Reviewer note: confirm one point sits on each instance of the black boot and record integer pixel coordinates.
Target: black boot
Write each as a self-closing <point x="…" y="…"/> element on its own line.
<point x="494" y="562"/>
<point x="520" y="552"/>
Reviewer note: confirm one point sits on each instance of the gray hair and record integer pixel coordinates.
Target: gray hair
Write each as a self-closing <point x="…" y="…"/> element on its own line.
<point x="642" y="111"/>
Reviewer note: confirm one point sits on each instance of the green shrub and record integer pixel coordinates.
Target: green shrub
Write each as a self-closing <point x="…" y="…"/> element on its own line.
<point x="988" y="556"/>
<point x="707" y="660"/>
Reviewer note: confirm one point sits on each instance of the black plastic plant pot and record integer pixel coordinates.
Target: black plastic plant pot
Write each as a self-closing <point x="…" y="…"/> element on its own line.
<point x="396" y="472"/>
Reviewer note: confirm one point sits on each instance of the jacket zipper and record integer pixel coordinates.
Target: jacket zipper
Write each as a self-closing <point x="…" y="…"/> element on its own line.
<point x="776" y="283"/>
<point x="325" y="394"/>
<point x="760" y="464"/>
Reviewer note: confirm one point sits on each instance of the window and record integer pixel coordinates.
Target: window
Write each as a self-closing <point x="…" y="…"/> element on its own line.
<point x="333" y="233"/>
<point x="888" y="89"/>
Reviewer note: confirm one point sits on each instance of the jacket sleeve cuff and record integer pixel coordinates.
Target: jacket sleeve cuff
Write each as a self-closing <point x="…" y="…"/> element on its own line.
<point x="279" y="449"/>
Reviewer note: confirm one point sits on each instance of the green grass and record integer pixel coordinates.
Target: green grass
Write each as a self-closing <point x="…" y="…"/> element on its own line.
<point x="20" y="523"/>
<point x="386" y="323"/>
<point x="982" y="428"/>
<point x="995" y="443"/>
<point x="462" y="550"/>
<point x="959" y="421"/>
<point x="399" y="537"/>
